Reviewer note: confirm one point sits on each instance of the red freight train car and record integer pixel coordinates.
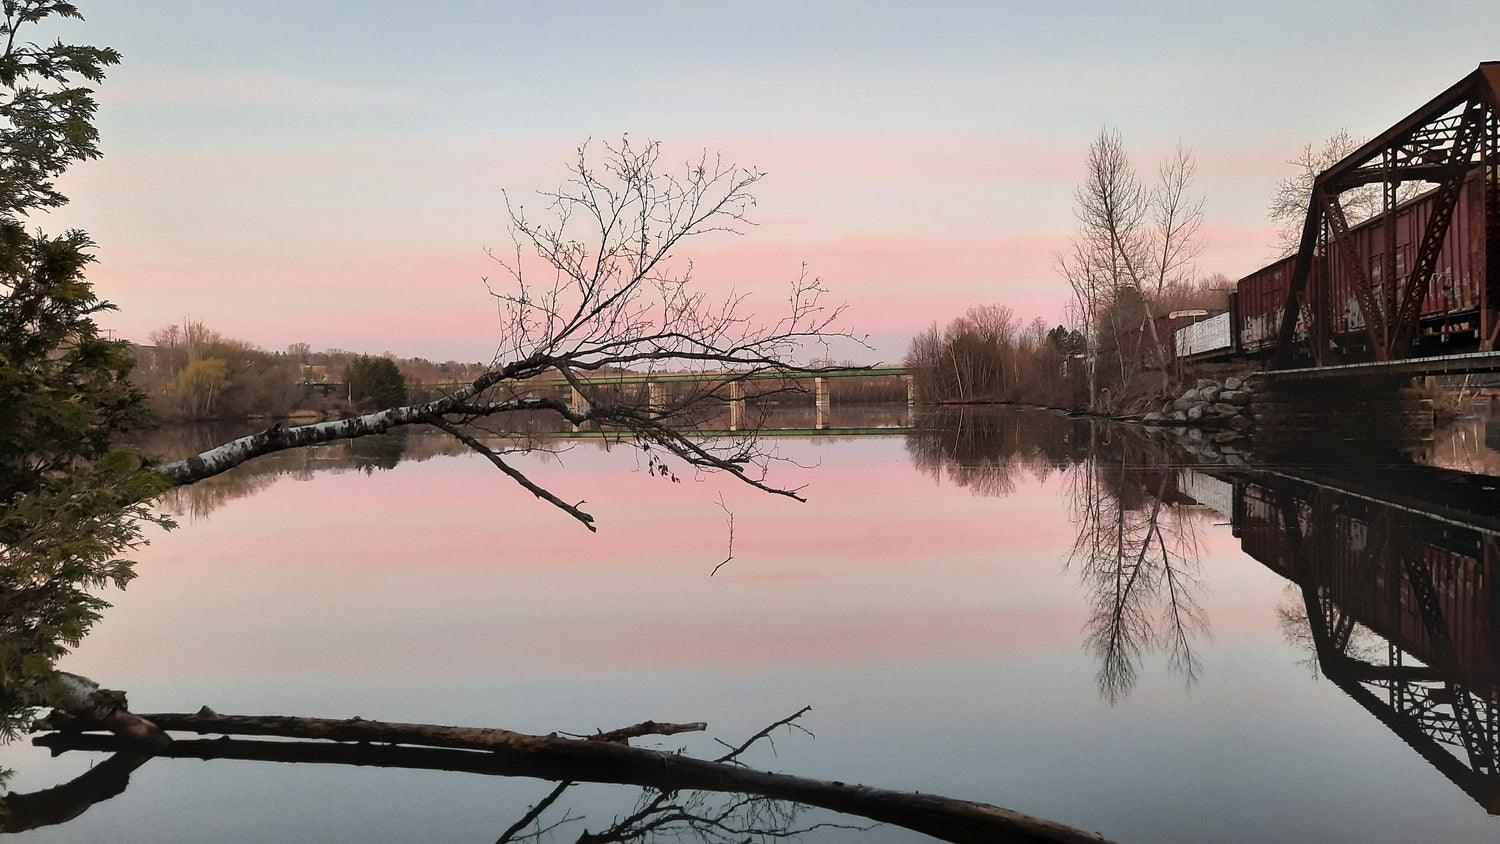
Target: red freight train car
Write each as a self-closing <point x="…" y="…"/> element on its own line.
<point x="1450" y="307"/>
<point x="1259" y="299"/>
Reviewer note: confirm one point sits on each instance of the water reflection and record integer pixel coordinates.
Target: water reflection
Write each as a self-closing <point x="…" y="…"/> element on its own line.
<point x="367" y="454"/>
<point x="1391" y="568"/>
<point x="1389" y="572"/>
<point x="988" y="452"/>
<point x="658" y="814"/>
<point x="538" y="433"/>
<point x="1396" y="599"/>
<point x="1138" y="555"/>
<point x="1136" y="550"/>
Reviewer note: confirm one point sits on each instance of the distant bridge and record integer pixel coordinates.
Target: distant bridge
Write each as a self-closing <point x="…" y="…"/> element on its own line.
<point x="657" y="383"/>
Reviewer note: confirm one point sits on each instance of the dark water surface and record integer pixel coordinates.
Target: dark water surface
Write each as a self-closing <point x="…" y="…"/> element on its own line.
<point x="1058" y="617"/>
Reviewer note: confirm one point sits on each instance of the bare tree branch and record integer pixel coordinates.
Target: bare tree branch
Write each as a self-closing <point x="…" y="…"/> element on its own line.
<point x="595" y="290"/>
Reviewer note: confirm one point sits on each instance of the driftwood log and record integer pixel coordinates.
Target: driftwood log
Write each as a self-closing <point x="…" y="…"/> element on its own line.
<point x="603" y="758"/>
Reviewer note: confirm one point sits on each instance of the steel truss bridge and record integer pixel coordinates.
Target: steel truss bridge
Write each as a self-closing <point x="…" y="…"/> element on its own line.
<point x="1441" y="143"/>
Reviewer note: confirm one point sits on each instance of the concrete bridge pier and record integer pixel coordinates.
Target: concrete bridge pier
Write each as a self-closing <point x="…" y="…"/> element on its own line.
<point x="822" y="402"/>
<point x="1331" y="418"/>
<point x="911" y="400"/>
<point x="656" y="397"/>
<point x="577" y="403"/>
<point x="736" y="405"/>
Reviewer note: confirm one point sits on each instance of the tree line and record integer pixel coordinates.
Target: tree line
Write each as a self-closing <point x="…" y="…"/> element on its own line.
<point x="191" y="372"/>
<point x="987" y="355"/>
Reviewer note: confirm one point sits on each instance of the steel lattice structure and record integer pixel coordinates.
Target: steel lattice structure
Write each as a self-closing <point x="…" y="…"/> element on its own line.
<point x="1442" y="143"/>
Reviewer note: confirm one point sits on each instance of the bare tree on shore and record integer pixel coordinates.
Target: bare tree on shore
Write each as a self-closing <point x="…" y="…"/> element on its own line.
<point x="1132" y="242"/>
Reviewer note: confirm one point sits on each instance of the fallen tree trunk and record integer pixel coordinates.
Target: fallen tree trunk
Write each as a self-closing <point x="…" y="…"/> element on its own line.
<point x="561" y="759"/>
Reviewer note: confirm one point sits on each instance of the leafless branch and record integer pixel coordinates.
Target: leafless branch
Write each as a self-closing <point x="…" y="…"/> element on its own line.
<point x="595" y="290"/>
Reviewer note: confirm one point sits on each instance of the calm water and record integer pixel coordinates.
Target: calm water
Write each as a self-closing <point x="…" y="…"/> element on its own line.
<point x="1011" y="607"/>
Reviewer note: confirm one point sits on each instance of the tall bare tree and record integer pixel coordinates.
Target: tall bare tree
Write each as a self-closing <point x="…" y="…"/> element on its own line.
<point x="1129" y="238"/>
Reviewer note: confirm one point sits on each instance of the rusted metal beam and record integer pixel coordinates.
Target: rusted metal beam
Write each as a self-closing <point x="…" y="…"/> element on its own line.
<point x="1483" y="84"/>
<point x="1364" y="291"/>
<point x="1408" y="318"/>
<point x="1312" y="227"/>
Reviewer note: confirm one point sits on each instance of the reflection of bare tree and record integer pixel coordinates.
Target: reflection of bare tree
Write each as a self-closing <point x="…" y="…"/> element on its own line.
<point x="1138" y="557"/>
<point x="1362" y="643"/>
<point x="985" y="449"/>
<point x="686" y="815"/>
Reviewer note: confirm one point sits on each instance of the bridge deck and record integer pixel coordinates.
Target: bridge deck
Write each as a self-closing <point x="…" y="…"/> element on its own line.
<point x="1411" y="367"/>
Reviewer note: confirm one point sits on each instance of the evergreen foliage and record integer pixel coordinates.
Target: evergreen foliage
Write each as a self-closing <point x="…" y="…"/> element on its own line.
<point x="375" y="383"/>
<point x="70" y="501"/>
<point x="46" y="117"/>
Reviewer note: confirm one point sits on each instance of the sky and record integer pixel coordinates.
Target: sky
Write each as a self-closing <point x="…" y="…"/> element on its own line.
<point x="332" y="171"/>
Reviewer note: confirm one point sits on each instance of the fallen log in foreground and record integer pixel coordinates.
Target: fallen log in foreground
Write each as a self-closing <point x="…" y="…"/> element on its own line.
<point x="604" y="758"/>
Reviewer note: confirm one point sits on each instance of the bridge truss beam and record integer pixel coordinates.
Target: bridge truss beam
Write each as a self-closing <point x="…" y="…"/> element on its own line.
<point x="1442" y="142"/>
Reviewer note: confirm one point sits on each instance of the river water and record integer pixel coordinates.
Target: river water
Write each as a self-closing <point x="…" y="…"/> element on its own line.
<point x="1064" y="618"/>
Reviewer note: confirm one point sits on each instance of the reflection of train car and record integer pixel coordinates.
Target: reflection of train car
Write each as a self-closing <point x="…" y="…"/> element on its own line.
<point x="1381" y="566"/>
<point x="1402" y="609"/>
<point x="1450" y="305"/>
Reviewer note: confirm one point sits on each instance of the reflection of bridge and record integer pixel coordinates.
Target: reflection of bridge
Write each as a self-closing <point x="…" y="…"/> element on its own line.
<point x="1415" y="568"/>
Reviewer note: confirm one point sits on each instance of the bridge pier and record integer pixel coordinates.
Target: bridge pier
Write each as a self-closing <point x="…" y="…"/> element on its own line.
<point x="736" y="405"/>
<point x="911" y="400"/>
<point x="822" y="402"/>
<point x="1342" y="417"/>
<point x="657" y="397"/>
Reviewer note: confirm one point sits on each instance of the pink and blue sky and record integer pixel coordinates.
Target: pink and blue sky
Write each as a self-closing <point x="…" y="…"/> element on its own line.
<point x="330" y="171"/>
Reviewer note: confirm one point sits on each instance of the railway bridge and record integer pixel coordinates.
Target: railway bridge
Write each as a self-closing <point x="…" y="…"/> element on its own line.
<point x="659" y="384"/>
<point x="1364" y="307"/>
<point x="734" y="383"/>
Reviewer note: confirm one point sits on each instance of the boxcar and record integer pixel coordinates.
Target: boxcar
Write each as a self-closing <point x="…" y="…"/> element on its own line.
<point x="1450" y="305"/>
<point x="1260" y="298"/>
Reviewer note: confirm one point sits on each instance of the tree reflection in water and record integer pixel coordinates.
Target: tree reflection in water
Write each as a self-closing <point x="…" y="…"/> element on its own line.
<point x="1138" y="556"/>
<point x="1136" y="550"/>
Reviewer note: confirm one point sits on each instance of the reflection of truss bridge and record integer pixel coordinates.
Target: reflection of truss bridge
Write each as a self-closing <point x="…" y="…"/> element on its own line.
<point x="1453" y="726"/>
<point x="1402" y="607"/>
